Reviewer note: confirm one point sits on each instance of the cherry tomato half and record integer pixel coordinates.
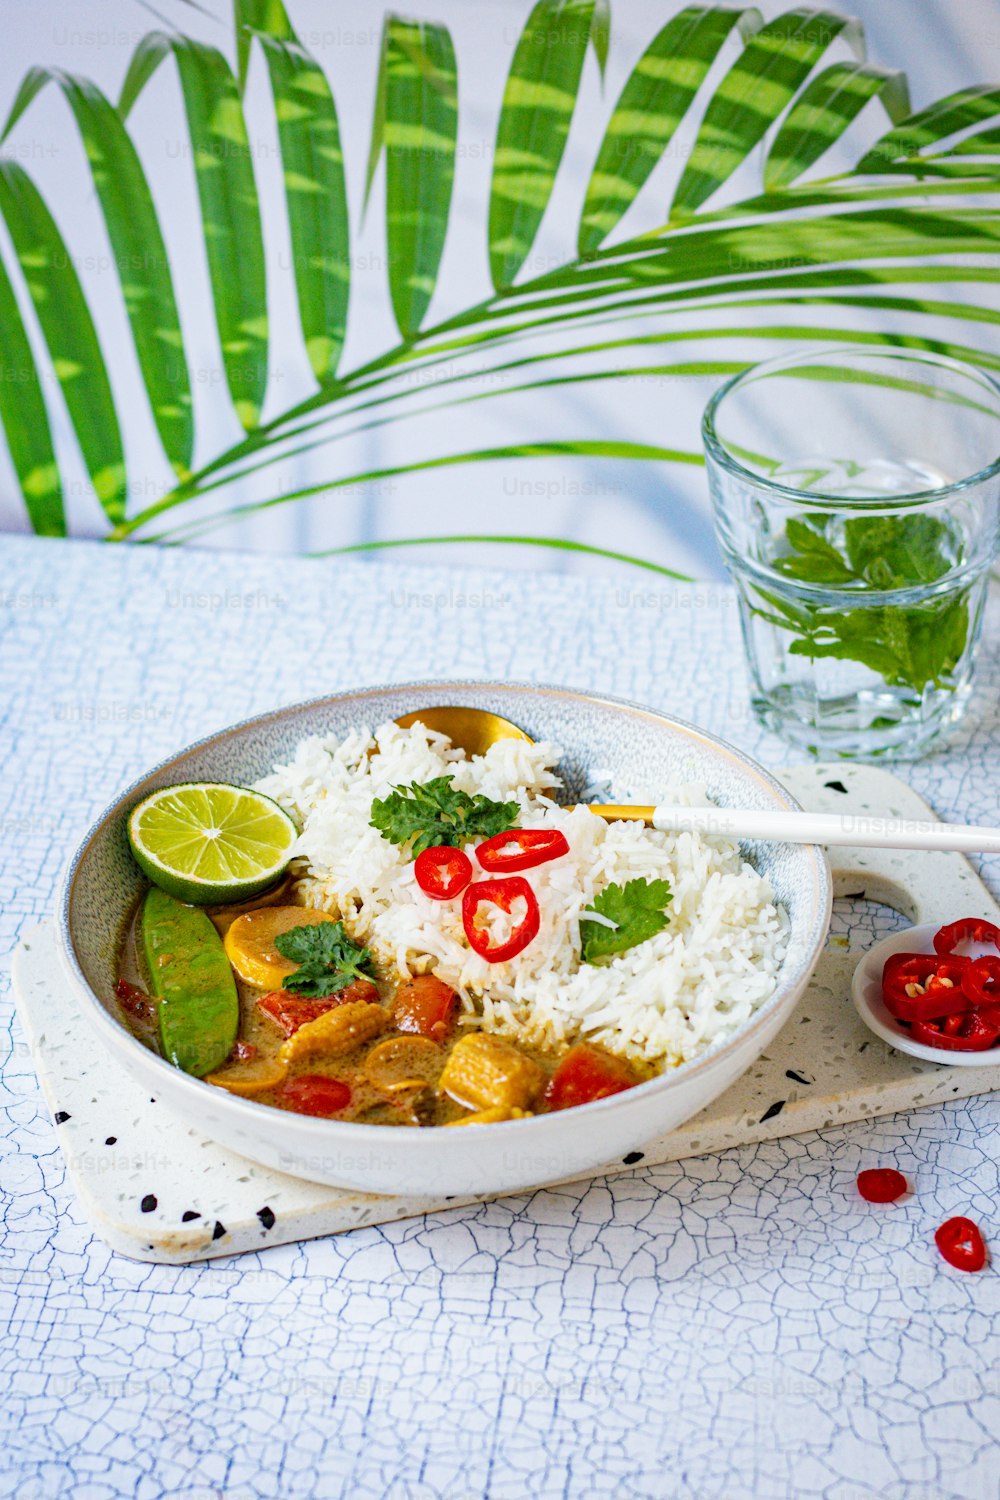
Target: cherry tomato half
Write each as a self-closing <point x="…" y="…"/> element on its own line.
<point x="312" y="1094"/>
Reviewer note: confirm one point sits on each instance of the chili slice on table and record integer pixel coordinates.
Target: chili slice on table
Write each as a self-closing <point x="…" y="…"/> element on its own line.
<point x="966" y="930"/>
<point x="881" y="1185"/>
<point x="441" y="872"/>
<point x="503" y="894"/>
<point x="521" y="849"/>
<point x="961" y="1244"/>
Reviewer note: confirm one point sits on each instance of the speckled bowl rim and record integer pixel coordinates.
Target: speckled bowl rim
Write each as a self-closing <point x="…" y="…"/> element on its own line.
<point x="249" y="1109"/>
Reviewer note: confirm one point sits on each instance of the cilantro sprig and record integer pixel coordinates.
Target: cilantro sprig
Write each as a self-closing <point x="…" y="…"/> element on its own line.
<point x="638" y="910"/>
<point x="328" y="960"/>
<point x="908" y="645"/>
<point x="434" y="813"/>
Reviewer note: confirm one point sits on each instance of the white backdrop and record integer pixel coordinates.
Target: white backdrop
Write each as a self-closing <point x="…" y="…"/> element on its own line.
<point x="652" y="510"/>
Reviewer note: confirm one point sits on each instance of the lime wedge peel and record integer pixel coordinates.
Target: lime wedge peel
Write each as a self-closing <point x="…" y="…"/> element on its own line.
<point x="209" y="843"/>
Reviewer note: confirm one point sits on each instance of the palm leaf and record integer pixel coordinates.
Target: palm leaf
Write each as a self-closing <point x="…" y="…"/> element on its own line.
<point x="848" y="242"/>
<point x="316" y="194"/>
<point x="569" y="448"/>
<point x="823" y="111"/>
<point x="554" y="543"/>
<point x="69" y="333"/>
<point x="657" y="95"/>
<point x="770" y="70"/>
<point x="280" y="452"/>
<point x="416" y="117"/>
<point x="230" y="213"/>
<point x="538" y="104"/>
<point x="637" y="280"/>
<point x="25" y="421"/>
<point x="139" y="252"/>
<point x="261" y="16"/>
<point x="935" y="123"/>
<point x="983" y="143"/>
<point x="600" y="35"/>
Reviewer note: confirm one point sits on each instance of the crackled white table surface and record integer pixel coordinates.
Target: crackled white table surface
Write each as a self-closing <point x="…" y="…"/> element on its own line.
<point x="725" y="1326"/>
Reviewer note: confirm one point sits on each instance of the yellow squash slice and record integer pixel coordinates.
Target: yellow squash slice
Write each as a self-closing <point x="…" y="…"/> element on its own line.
<point x="250" y="946"/>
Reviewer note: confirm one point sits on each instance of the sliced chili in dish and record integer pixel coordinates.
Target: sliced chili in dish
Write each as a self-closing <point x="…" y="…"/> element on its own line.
<point x="981" y="981"/>
<point x="972" y="1032"/>
<point x="924" y="986"/>
<point x="441" y="872"/>
<point x="503" y="894"/>
<point x="966" y="930"/>
<point x="521" y="849"/>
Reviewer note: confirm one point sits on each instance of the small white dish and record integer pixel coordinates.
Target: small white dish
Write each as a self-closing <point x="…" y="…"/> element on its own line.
<point x="866" y="991"/>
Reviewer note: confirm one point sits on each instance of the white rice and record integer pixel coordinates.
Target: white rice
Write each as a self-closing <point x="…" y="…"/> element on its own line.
<point x="664" y="1001"/>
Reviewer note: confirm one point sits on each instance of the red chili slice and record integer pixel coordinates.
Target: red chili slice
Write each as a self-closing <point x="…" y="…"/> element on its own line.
<point x="961" y="1244"/>
<point x="966" y="930"/>
<point x="881" y="1185"/>
<point x="312" y="1094"/>
<point x="972" y="1032"/>
<point x="292" y="1011"/>
<point x="442" y="873"/>
<point x="501" y="893"/>
<point x="981" y="980"/>
<point x="586" y="1074"/>
<point x="521" y="849"/>
<point x="939" y="978"/>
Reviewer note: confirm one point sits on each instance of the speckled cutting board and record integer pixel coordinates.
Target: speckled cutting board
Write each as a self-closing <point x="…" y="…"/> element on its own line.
<point x="157" y="1190"/>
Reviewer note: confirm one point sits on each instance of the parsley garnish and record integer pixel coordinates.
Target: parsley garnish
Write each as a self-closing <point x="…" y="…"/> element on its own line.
<point x="908" y="645"/>
<point x="637" y="909"/>
<point x="328" y="960"/>
<point x="433" y="814"/>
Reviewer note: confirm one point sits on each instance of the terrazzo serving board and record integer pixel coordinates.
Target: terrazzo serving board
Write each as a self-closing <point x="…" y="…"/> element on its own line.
<point x="157" y="1190"/>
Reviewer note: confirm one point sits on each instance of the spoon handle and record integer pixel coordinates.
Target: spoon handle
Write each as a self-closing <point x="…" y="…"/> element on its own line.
<point x="857" y="829"/>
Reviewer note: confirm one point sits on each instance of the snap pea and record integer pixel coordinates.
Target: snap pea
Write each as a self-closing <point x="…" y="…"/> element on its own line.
<point x="189" y="973"/>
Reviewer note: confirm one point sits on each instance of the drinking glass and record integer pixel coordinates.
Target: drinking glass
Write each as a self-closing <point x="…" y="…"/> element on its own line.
<point x="856" y="495"/>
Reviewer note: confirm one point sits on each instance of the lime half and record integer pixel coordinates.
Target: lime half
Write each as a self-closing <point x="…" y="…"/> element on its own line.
<point x="210" y="844"/>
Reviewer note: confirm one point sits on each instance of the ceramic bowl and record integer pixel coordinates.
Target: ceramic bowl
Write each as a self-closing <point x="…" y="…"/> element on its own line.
<point x="642" y="751"/>
<point x="866" y="992"/>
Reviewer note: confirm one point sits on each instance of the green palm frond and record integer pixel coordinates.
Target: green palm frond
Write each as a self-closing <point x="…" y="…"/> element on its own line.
<point x="918" y="212"/>
<point x="263" y="17"/>
<point x="69" y="333"/>
<point x="230" y="213"/>
<point x="775" y="63"/>
<point x="657" y="96"/>
<point x="537" y="110"/>
<point x="26" y="423"/>
<point x="930" y="126"/>
<point x="416" y="121"/>
<point x="822" y="112"/>
<point x="316" y="193"/>
<point x="139" y="252"/>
